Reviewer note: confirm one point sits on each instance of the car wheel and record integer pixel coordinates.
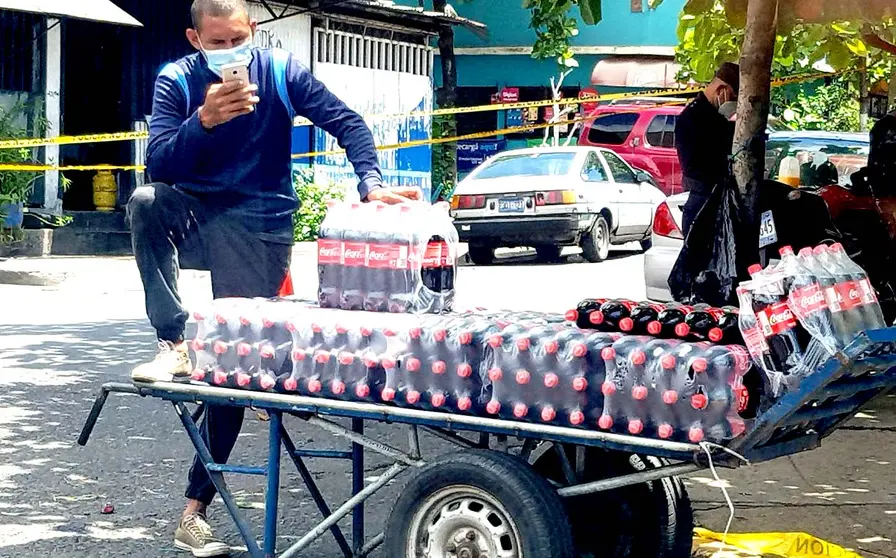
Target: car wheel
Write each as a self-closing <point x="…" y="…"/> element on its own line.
<point x="646" y="244"/>
<point x="481" y="255"/>
<point x="548" y="253"/>
<point x="596" y="242"/>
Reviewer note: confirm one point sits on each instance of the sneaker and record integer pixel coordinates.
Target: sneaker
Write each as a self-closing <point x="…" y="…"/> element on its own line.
<point x="195" y="534"/>
<point x="172" y="361"/>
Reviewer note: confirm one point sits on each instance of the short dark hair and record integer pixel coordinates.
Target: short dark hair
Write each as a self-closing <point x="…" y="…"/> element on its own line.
<point x="216" y="8"/>
<point x="729" y="72"/>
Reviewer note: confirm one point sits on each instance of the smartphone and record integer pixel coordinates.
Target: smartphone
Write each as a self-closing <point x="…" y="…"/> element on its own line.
<point x="235" y="72"/>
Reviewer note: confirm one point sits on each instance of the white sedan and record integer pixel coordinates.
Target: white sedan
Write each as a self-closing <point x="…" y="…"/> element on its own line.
<point x="551" y="197"/>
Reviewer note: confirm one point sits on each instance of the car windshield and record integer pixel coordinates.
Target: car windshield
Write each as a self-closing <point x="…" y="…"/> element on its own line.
<point x="823" y="161"/>
<point x="532" y="164"/>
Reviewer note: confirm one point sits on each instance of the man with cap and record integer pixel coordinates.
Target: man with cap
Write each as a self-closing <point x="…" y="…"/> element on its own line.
<point x="703" y="137"/>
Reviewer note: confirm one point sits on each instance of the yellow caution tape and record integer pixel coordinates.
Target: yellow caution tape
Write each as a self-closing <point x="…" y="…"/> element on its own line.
<point x="767" y="545"/>
<point x="475" y="135"/>
<point x="571" y="102"/>
<point x="130" y="136"/>
<point x="63" y="168"/>
<point x="69" y="140"/>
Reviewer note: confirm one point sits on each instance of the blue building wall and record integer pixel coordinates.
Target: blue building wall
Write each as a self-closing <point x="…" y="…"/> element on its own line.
<point x="508" y="26"/>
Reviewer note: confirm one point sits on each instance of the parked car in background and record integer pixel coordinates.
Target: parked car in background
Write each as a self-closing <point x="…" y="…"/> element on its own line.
<point x="642" y="135"/>
<point x="840" y="152"/>
<point x="551" y="197"/>
<point x="642" y="131"/>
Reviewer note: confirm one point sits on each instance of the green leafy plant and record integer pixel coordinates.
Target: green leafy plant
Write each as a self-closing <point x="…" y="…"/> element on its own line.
<point x="444" y="157"/>
<point x="15" y="186"/>
<point x="833" y="107"/>
<point x="313" y="198"/>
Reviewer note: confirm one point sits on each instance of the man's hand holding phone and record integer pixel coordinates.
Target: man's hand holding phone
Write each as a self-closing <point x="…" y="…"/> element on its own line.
<point x="226" y="101"/>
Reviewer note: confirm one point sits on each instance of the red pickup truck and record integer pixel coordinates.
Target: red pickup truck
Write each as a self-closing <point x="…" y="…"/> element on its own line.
<point x="642" y="135"/>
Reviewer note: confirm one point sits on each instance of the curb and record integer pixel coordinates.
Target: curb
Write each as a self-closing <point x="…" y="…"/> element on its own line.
<point x="31" y="278"/>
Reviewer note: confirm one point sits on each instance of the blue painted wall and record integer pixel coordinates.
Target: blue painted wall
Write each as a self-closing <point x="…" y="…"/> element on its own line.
<point x="508" y="25"/>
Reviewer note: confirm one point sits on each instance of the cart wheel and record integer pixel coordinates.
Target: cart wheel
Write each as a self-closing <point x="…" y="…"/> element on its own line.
<point x="648" y="519"/>
<point x="478" y="504"/>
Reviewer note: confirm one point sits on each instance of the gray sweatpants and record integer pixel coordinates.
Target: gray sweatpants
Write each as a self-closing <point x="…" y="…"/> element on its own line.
<point x="171" y="230"/>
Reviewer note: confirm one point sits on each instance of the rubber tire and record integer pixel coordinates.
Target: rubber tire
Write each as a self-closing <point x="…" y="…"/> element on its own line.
<point x="481" y="254"/>
<point x="528" y="499"/>
<point x="646" y="244"/>
<point x="548" y="253"/>
<point x="650" y="519"/>
<point x="591" y="251"/>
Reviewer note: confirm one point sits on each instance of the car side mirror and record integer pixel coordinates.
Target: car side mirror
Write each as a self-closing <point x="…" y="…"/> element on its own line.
<point x="642" y="176"/>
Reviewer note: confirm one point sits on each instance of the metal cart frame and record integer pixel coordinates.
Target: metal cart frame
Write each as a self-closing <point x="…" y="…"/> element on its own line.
<point x="796" y="422"/>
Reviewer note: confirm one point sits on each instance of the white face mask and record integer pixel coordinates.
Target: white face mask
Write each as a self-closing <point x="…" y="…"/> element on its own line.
<point x="728" y="108"/>
<point x="216" y="59"/>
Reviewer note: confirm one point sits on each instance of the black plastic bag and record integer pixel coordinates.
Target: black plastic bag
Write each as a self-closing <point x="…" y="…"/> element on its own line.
<point x="706" y="270"/>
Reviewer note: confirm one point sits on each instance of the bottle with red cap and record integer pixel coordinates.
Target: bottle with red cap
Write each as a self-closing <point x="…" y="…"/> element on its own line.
<point x="587" y="313"/>
<point x="840" y="321"/>
<point x="329" y="255"/>
<point x="728" y="397"/>
<point x="643" y="319"/>
<point x="354" y="257"/>
<point x="670" y="323"/>
<point x="561" y="385"/>
<point x="728" y="328"/>
<point x="782" y="334"/>
<point x="806" y="298"/>
<point x="855" y="290"/>
<point x="681" y="397"/>
<point x="703" y="325"/>
<point x="626" y="389"/>
<point x="614" y="315"/>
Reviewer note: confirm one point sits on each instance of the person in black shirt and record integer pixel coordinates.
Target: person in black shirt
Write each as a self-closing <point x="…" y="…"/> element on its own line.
<point x="703" y="138"/>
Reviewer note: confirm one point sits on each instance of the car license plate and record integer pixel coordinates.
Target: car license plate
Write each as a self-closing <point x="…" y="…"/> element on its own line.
<point x="511" y="205"/>
<point x="767" y="232"/>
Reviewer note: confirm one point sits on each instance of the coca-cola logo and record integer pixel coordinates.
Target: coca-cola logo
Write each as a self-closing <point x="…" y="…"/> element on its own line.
<point x="378" y="256"/>
<point x="781" y="317"/>
<point x="854" y="294"/>
<point x="812" y="301"/>
<point x="329" y="252"/>
<point x="353" y="254"/>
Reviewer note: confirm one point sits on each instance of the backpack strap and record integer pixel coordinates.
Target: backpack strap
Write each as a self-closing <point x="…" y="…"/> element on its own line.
<point x="279" y="65"/>
<point x="173" y="71"/>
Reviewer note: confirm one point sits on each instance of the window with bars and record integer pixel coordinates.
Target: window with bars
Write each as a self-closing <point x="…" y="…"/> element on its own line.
<point x="375" y="53"/>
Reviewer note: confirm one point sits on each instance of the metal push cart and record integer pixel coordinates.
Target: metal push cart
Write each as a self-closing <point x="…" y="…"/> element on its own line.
<point x="479" y="502"/>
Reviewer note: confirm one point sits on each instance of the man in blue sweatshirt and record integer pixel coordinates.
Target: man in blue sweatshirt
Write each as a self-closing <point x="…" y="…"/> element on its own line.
<point x="223" y="199"/>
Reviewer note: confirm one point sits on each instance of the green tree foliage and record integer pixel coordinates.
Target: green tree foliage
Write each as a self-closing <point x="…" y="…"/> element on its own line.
<point x="712" y="31"/>
<point x="313" y="200"/>
<point x="832" y="107"/>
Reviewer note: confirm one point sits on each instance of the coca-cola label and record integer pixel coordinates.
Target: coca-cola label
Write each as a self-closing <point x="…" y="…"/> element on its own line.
<point x="808" y="300"/>
<point x="776" y="319"/>
<point x="742" y="398"/>
<point x="867" y="291"/>
<point x="447" y="255"/>
<point x="741" y="358"/>
<point x="354" y="254"/>
<point x="387" y="256"/>
<point x="329" y="252"/>
<point x="832" y="300"/>
<point x="755" y="341"/>
<point x="848" y="295"/>
<point x="432" y="258"/>
<point x="716" y="313"/>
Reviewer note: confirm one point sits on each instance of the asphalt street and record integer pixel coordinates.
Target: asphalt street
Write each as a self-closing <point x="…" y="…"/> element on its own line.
<point x="58" y="344"/>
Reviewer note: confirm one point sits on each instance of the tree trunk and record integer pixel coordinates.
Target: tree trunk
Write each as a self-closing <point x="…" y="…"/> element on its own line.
<point x="446" y="97"/>
<point x="864" y="99"/>
<point x="891" y="91"/>
<point x="753" y="100"/>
